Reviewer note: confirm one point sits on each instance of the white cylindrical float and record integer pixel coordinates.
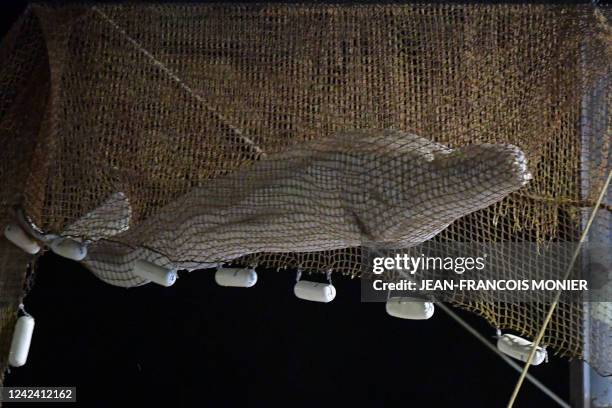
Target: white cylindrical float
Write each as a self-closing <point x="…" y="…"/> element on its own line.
<point x="519" y="348"/>
<point x="409" y="308"/>
<point x="315" y="291"/>
<point x="236" y="277"/>
<point x="18" y="236"/>
<point x="69" y="248"/>
<point x="22" y="338"/>
<point x="154" y="273"/>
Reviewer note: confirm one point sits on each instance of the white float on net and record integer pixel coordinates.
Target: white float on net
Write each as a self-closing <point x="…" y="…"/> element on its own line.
<point x="315" y="291"/>
<point x="22" y="338"/>
<point x="519" y="348"/>
<point x="154" y="273"/>
<point x="409" y="308"/>
<point x="15" y="234"/>
<point x="236" y="277"/>
<point x="69" y="248"/>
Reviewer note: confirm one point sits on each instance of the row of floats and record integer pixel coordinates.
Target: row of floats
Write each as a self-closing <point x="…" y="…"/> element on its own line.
<point x="399" y="307"/>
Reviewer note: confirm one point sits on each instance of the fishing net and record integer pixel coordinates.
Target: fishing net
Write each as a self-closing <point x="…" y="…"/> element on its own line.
<point x="299" y="136"/>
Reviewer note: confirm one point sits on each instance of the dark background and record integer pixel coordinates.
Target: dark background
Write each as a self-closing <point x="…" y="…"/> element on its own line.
<point x="197" y="344"/>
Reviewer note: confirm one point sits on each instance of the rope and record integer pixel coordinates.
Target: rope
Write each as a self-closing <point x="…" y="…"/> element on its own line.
<point x="564" y="202"/>
<point x="553" y="306"/>
<point x="511" y="363"/>
<point x="178" y="80"/>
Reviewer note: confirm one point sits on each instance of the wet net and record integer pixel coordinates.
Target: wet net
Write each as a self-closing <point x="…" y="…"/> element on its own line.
<point x="298" y="136"/>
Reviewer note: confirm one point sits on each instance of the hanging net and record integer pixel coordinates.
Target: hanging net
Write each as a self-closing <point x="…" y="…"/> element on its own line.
<point x="299" y="136"/>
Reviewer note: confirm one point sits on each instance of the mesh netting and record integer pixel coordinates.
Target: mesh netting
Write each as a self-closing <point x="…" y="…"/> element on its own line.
<point x="294" y="136"/>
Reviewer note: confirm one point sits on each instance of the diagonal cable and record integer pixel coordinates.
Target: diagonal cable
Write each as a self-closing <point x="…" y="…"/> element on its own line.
<point x="555" y="302"/>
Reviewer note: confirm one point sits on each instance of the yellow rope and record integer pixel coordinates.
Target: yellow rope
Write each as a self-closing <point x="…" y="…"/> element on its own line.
<point x="553" y="306"/>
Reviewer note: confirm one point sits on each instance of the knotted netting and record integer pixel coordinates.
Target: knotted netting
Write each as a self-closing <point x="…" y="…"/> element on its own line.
<point x="294" y="136"/>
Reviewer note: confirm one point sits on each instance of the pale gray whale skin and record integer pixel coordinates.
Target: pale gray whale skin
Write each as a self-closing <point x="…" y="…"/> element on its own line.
<point x="351" y="189"/>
